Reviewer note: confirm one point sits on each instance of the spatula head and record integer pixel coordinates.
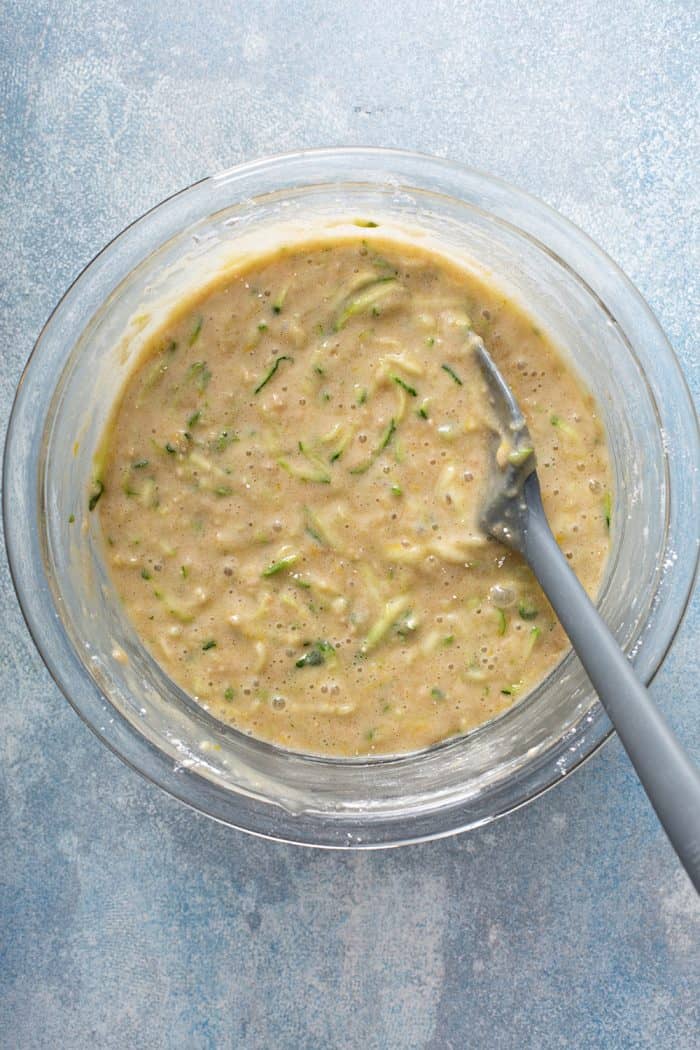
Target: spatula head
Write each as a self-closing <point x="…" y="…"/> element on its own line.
<point x="504" y="513"/>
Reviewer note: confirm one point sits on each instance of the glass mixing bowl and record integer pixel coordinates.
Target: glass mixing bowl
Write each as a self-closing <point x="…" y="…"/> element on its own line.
<point x="69" y="386"/>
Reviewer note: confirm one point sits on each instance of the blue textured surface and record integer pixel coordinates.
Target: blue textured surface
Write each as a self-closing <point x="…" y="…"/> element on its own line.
<point x="126" y="920"/>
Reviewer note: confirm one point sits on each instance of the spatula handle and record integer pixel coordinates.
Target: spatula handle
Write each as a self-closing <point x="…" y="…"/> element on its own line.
<point x="667" y="774"/>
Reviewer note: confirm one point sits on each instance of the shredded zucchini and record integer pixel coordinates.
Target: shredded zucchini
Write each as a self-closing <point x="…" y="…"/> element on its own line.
<point x="200" y="375"/>
<point x="266" y="379"/>
<point x="453" y="375"/>
<point x="196" y="330"/>
<point x="280" y="565"/>
<point x="278" y="302"/>
<point x="564" y="427"/>
<point x="372" y="297"/>
<point x="315" y="529"/>
<point x="405" y="386"/>
<point x="381" y="627"/>
<point x="535" y="633"/>
<point x="305" y="473"/>
<point x="96" y="494"/>
<point x="384" y="442"/>
<point x="518" y="456"/>
<point x="316" y="654"/>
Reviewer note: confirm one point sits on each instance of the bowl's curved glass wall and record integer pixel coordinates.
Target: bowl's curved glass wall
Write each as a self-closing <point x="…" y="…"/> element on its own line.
<point x="75" y="374"/>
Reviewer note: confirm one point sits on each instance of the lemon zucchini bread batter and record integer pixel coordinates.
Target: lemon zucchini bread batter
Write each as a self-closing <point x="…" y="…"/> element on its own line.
<point x="289" y="497"/>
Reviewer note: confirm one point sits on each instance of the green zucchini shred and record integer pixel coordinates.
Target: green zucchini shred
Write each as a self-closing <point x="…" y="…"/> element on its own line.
<point x="368" y="298"/>
<point x="319" y="467"/>
<point x="96" y="494"/>
<point x="278" y="303"/>
<point x="280" y="565"/>
<point x="405" y="386"/>
<point x="565" y="428"/>
<point x="194" y="334"/>
<point x="451" y="372"/>
<point x="316" y="654"/>
<point x="266" y="379"/>
<point x="321" y="477"/>
<point x="314" y="528"/>
<point x="225" y="438"/>
<point x="518" y="456"/>
<point x="386" y="438"/>
<point x="535" y="633"/>
<point x="393" y="611"/>
<point x="199" y="373"/>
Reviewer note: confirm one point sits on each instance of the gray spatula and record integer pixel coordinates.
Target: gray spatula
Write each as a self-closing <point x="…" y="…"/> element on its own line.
<point x="513" y="513"/>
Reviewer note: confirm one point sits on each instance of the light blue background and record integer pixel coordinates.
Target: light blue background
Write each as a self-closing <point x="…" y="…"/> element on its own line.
<point x="127" y="921"/>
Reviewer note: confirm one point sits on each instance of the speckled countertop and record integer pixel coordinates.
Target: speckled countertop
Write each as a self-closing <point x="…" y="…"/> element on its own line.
<point x="125" y="919"/>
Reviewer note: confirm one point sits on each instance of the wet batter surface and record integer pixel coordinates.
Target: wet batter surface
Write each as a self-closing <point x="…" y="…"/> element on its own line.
<point x="289" y="496"/>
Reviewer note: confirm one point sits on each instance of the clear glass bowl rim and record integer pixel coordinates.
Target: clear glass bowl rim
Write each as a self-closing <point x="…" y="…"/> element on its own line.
<point x="187" y="785"/>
